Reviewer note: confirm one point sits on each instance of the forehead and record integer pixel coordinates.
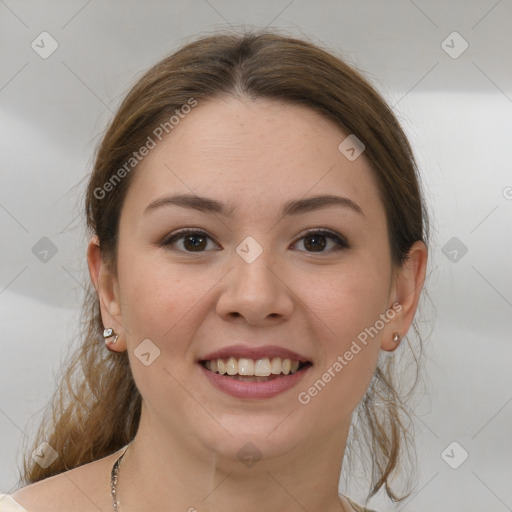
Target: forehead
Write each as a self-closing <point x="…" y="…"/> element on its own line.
<point x="252" y="154"/>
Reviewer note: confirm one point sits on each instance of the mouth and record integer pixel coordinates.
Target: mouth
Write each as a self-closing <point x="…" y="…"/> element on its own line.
<point x="254" y="370"/>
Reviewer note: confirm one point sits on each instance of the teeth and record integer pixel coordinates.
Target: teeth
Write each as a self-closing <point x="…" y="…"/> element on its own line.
<point x="232" y="366"/>
<point x="252" y="367"/>
<point x="276" y="366"/>
<point x="245" y="367"/>
<point x="262" y="367"/>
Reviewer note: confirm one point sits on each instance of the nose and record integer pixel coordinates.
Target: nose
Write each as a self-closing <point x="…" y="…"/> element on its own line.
<point x="256" y="292"/>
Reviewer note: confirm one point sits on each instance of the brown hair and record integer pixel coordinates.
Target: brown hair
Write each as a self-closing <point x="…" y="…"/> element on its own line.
<point x="96" y="408"/>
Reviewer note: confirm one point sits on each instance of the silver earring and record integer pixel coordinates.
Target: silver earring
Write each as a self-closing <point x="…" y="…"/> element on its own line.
<point x="108" y="333"/>
<point x="397" y="338"/>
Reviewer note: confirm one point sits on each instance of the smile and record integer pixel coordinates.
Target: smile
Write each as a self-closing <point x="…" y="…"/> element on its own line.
<point x="254" y="378"/>
<point x="254" y="370"/>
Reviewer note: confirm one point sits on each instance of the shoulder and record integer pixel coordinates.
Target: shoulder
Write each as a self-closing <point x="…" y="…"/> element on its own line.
<point x="83" y="489"/>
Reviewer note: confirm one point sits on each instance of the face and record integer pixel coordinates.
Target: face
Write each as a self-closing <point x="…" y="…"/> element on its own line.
<point x="258" y="270"/>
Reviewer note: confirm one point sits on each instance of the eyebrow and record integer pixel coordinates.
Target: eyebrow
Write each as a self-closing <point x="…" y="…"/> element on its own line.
<point x="294" y="207"/>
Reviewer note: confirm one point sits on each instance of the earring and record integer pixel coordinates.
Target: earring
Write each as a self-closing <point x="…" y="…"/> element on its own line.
<point x="108" y="333"/>
<point x="397" y="338"/>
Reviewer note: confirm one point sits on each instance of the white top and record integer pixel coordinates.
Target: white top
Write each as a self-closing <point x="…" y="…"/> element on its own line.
<point x="9" y="504"/>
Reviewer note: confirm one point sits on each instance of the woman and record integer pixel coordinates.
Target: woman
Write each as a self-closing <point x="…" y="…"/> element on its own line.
<point x="258" y="244"/>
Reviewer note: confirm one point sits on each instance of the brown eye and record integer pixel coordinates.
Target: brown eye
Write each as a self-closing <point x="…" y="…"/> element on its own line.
<point x="318" y="240"/>
<point x="194" y="242"/>
<point x="187" y="241"/>
<point x="315" y="242"/>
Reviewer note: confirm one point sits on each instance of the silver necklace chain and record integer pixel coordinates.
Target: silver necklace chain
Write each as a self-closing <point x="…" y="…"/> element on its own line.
<point x="114" y="476"/>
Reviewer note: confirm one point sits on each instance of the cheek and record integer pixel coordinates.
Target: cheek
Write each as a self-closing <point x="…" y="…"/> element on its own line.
<point x="350" y="298"/>
<point x="159" y="299"/>
<point x="160" y="302"/>
<point x="349" y="303"/>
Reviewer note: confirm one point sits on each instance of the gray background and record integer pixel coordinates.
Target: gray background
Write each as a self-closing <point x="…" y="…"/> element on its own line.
<point x="456" y="111"/>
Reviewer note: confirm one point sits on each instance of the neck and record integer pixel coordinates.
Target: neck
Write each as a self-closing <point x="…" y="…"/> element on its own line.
<point x="159" y="473"/>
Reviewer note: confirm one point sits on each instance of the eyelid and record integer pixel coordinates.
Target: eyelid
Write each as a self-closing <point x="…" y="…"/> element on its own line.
<point x="340" y="239"/>
<point x="176" y="235"/>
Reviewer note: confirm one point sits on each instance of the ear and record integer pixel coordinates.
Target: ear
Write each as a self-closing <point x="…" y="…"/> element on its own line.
<point x="107" y="288"/>
<point x="406" y="292"/>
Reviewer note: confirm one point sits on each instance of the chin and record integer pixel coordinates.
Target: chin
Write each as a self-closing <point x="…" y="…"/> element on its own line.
<point x="253" y="439"/>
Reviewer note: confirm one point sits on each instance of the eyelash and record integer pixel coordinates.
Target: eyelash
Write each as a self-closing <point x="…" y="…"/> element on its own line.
<point x="340" y="241"/>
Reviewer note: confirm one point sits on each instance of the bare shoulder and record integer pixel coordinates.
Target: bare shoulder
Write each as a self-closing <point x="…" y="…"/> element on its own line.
<point x="83" y="489"/>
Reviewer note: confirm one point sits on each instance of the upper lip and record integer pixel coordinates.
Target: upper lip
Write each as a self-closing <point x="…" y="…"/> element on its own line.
<point x="250" y="352"/>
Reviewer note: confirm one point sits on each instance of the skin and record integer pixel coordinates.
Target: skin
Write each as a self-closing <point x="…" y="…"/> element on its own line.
<point x="252" y="155"/>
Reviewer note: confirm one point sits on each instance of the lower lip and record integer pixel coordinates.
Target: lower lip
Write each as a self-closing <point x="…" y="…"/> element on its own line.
<point x="265" y="389"/>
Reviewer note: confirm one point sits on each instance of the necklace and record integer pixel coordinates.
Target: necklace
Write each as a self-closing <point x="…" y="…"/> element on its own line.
<point x="113" y="481"/>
